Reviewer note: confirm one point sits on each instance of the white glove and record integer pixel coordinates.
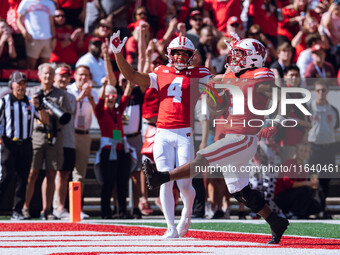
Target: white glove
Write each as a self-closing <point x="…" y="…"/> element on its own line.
<point x="116" y="44"/>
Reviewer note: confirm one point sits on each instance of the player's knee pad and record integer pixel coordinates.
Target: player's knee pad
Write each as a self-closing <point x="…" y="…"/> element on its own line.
<point x="253" y="199"/>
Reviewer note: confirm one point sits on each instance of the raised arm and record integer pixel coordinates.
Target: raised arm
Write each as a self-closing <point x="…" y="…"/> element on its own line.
<point x="116" y="45"/>
<point x="108" y="66"/>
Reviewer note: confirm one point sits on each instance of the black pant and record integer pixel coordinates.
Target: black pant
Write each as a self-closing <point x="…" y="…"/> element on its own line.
<point x="114" y="172"/>
<point x="300" y="201"/>
<point x="16" y="161"/>
<point x="199" y="202"/>
<point x="323" y="154"/>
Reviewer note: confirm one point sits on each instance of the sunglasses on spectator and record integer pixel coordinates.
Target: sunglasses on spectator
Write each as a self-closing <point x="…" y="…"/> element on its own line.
<point x="321" y="90"/>
<point x="60" y="15"/>
<point x="312" y="23"/>
<point x="254" y="33"/>
<point x="111" y="96"/>
<point x="141" y="13"/>
<point x="104" y="26"/>
<point x="234" y="25"/>
<point x="197" y="19"/>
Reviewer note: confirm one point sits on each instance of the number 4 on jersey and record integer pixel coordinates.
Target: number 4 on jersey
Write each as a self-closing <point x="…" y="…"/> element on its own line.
<point x="175" y="89"/>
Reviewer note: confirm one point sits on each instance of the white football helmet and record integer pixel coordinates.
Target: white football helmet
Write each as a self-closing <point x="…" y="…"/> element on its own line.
<point x="245" y="54"/>
<point x="181" y="43"/>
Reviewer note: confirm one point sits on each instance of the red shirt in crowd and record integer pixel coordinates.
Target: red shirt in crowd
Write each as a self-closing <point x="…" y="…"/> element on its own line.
<point x="68" y="54"/>
<point x="131" y="47"/>
<point x="313" y="72"/>
<point x="157" y="8"/>
<point x="284" y="26"/>
<point x="285" y="181"/>
<point x="71" y="4"/>
<point x="222" y="11"/>
<point x="266" y="20"/>
<point x="110" y="120"/>
<point x="301" y="46"/>
<point x="182" y="8"/>
<point x="4" y="6"/>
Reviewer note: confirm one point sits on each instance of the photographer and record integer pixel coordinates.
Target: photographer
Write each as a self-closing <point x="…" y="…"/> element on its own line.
<point x="47" y="143"/>
<point x="16" y="142"/>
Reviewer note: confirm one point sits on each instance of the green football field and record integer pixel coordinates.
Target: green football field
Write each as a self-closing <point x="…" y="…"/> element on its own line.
<point x="314" y="229"/>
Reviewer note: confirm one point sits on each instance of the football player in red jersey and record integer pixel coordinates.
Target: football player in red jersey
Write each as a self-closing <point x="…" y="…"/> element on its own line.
<point x="177" y="84"/>
<point x="240" y="142"/>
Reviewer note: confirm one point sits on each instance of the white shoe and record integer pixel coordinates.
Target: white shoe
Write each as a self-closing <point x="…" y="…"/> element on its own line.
<point x="63" y="215"/>
<point x="183" y="226"/>
<point x="84" y="216"/>
<point x="171" y="233"/>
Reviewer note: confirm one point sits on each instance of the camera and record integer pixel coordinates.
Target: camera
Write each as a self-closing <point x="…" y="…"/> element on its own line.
<point x="61" y="116"/>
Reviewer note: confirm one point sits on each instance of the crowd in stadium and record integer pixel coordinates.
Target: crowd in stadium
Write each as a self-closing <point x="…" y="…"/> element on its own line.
<point x="65" y="45"/>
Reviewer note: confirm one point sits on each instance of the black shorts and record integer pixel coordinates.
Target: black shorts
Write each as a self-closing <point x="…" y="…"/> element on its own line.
<point x="69" y="159"/>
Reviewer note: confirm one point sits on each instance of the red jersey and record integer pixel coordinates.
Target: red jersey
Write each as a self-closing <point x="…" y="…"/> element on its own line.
<point x="150" y="103"/>
<point x="249" y="79"/>
<point x="178" y="94"/>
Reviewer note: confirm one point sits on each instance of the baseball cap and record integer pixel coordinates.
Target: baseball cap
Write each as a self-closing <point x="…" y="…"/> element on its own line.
<point x="195" y="12"/>
<point x="233" y="20"/>
<point x="95" y="40"/>
<point x="17" y="77"/>
<point x="317" y="47"/>
<point x="63" y="70"/>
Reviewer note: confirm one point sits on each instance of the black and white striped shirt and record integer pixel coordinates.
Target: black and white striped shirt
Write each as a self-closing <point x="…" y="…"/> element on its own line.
<point x="16" y="117"/>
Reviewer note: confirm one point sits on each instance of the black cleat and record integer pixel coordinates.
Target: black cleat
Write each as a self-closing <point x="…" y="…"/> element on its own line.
<point x="278" y="227"/>
<point x="154" y="179"/>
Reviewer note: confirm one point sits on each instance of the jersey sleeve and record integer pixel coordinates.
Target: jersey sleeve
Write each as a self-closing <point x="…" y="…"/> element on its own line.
<point x="203" y="81"/>
<point x="153" y="81"/>
<point x="263" y="74"/>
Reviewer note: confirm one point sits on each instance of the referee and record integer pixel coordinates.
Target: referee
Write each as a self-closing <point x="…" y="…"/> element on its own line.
<point x="16" y="121"/>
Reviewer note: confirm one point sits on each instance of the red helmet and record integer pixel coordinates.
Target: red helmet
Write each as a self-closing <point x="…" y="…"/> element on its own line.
<point x="181" y="43"/>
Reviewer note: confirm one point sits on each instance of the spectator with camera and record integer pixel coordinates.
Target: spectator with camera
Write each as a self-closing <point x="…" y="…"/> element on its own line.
<point x="47" y="142"/>
<point x="18" y="112"/>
